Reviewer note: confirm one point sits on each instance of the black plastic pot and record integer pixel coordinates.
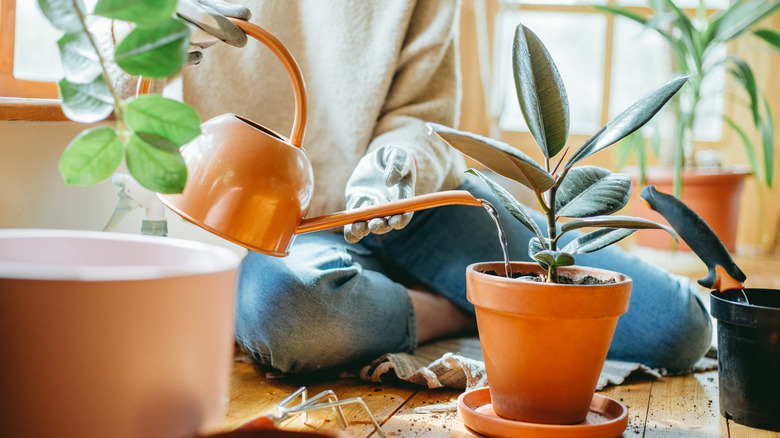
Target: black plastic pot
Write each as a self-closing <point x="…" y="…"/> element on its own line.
<point x="749" y="356"/>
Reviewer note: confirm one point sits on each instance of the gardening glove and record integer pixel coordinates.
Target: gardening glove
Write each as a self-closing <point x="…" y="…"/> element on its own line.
<point x="207" y="19"/>
<point x="386" y="174"/>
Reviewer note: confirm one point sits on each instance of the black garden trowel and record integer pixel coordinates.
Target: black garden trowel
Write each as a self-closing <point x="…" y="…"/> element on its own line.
<point x="723" y="273"/>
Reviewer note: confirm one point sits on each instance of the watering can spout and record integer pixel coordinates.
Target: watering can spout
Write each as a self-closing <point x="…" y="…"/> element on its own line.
<point x="253" y="187"/>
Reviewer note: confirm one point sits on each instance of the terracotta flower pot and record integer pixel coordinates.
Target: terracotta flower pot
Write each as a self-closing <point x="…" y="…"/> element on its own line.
<point x="544" y="345"/>
<point x="714" y="195"/>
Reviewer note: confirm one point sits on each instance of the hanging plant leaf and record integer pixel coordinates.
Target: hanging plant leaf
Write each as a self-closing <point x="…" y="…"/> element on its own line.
<point x="591" y="190"/>
<point x="516" y="209"/>
<point x="91" y="157"/>
<point x="63" y="15"/>
<point x="540" y="92"/>
<point x="86" y="103"/>
<point x="154" y="52"/>
<point x="156" y="163"/>
<point x="79" y="60"/>
<point x="497" y="156"/>
<point x="143" y="12"/>
<point x="629" y="120"/>
<point x="596" y="240"/>
<point x="154" y="114"/>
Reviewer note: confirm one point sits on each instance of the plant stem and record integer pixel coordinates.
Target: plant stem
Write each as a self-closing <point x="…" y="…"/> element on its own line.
<point x="118" y="111"/>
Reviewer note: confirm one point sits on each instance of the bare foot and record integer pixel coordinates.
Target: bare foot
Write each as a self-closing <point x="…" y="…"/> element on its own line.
<point x="437" y="317"/>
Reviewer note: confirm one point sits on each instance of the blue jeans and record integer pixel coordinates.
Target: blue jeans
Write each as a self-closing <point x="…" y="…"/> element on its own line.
<point x="330" y="303"/>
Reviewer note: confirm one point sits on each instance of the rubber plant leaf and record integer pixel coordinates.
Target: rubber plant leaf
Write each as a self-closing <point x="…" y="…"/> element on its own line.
<point x="155" y="162"/>
<point x="516" y="209"/>
<point x="633" y="223"/>
<point x="554" y="258"/>
<point x="590" y="191"/>
<point x="154" y="52"/>
<point x="735" y="20"/>
<point x="63" y="14"/>
<point x="540" y="92"/>
<point x="142" y="12"/>
<point x="86" y="103"/>
<point x="151" y="113"/>
<point x="497" y="156"/>
<point x="595" y="240"/>
<point x="629" y="120"/>
<point x="771" y="36"/>
<point x="80" y="62"/>
<point x="92" y="156"/>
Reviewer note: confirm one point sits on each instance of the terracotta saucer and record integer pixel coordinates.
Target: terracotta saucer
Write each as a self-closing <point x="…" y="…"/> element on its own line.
<point x="607" y="418"/>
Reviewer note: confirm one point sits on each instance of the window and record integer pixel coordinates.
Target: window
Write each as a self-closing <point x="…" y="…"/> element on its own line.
<point x="606" y="63"/>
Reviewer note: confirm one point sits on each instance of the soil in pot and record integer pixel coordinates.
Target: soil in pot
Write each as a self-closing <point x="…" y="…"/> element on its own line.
<point x="749" y="356"/>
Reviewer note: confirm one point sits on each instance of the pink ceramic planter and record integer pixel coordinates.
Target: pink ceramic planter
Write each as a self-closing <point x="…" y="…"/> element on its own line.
<point x="118" y="335"/>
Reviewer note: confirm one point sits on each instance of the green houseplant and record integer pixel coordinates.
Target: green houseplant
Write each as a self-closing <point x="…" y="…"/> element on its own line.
<point x="697" y="45"/>
<point x="147" y="130"/>
<point x="548" y="385"/>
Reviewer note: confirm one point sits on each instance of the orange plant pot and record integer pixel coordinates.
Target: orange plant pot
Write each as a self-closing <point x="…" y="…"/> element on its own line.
<point x="715" y="196"/>
<point x="544" y="344"/>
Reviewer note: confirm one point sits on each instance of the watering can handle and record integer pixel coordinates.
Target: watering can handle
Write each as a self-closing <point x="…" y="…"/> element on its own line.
<point x="293" y="71"/>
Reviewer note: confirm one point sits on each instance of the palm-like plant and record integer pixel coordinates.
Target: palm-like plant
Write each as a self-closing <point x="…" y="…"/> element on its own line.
<point x="695" y="41"/>
<point x="588" y="194"/>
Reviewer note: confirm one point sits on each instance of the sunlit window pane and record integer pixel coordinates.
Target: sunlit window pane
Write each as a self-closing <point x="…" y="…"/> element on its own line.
<point x="576" y="43"/>
<point x="36" y="57"/>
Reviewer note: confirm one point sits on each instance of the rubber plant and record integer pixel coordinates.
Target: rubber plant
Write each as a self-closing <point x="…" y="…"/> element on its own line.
<point x="588" y="194"/>
<point x="147" y="130"/>
<point x="695" y="43"/>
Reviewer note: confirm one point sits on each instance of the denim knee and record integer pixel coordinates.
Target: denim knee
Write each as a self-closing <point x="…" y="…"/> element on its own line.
<point x="319" y="309"/>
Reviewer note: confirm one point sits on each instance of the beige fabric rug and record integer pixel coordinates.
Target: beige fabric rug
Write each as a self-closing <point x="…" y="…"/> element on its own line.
<point x="457" y="363"/>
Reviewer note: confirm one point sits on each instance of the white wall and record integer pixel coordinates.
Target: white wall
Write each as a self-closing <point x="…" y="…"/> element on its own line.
<point x="34" y="195"/>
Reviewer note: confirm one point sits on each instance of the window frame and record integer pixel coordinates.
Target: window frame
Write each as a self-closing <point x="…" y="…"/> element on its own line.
<point x="21" y="99"/>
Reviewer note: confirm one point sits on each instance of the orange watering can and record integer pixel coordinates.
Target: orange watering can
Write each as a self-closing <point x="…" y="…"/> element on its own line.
<point x="251" y="186"/>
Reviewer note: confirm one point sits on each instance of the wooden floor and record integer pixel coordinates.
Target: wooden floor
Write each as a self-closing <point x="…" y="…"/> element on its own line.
<point x="685" y="406"/>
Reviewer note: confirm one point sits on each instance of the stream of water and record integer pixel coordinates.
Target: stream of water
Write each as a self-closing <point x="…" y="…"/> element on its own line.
<point x="501" y="236"/>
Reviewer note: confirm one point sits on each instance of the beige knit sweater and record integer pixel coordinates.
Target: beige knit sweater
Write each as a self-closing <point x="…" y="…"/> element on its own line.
<point x="375" y="71"/>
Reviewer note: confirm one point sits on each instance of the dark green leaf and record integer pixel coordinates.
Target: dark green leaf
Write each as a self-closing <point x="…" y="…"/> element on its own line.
<point x="176" y="121"/>
<point x="497" y="156"/>
<point x="156" y="163"/>
<point x="516" y="209"/>
<point x="144" y="12"/>
<point x="554" y="258"/>
<point x="154" y="52"/>
<point x="540" y="92"/>
<point x="629" y="120"/>
<point x="590" y="190"/>
<point x="91" y="157"/>
<point x="633" y="223"/>
<point x="771" y="36"/>
<point x="79" y="60"/>
<point x="595" y="240"/>
<point x="63" y="15"/>
<point x="86" y="103"/>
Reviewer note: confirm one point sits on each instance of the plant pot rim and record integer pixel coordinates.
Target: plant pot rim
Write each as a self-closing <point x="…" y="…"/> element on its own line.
<point x="566" y="301"/>
<point x="745" y="314"/>
<point x="664" y="172"/>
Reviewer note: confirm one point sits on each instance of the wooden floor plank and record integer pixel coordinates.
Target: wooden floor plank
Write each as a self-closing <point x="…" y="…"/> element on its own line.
<point x="409" y="423"/>
<point x="685" y="407"/>
<point x="636" y="396"/>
